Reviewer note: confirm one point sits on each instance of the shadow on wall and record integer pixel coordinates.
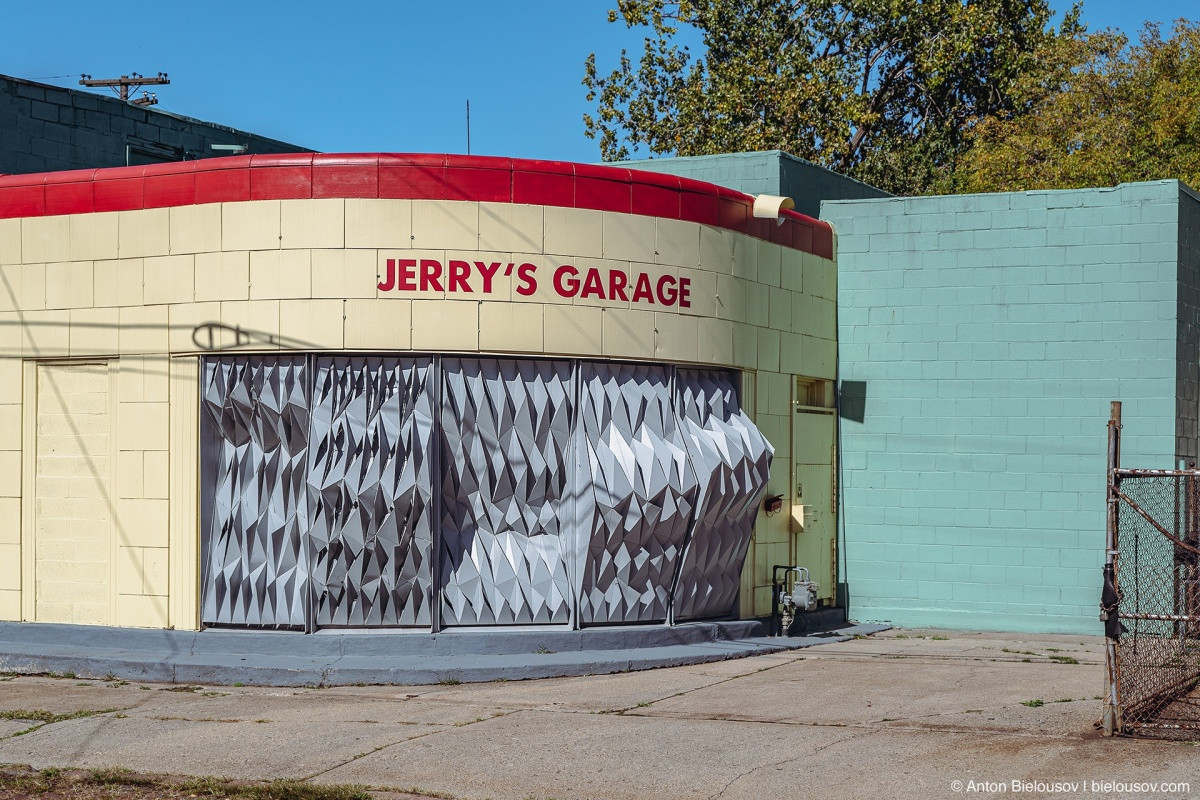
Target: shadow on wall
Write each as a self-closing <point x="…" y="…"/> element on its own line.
<point x="853" y="405"/>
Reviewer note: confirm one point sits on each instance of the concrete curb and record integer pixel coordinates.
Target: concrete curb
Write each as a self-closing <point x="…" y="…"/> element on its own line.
<point x="272" y="658"/>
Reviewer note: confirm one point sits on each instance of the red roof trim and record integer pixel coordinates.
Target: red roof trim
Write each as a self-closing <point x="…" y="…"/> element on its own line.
<point x="398" y="175"/>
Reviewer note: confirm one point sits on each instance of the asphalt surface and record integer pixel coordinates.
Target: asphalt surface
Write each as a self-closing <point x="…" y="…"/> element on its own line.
<point x="899" y="714"/>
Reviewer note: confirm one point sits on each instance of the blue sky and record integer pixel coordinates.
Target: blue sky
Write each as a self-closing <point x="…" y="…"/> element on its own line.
<point x="371" y="75"/>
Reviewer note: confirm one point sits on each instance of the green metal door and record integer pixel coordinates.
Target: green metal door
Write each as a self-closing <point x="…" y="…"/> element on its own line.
<point x="814" y="519"/>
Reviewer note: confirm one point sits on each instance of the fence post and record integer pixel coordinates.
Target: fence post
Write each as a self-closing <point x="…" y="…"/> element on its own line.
<point x="1180" y="567"/>
<point x="1112" y="697"/>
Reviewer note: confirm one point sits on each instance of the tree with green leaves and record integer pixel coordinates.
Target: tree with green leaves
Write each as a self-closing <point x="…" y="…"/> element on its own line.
<point x="884" y="90"/>
<point x="1096" y="112"/>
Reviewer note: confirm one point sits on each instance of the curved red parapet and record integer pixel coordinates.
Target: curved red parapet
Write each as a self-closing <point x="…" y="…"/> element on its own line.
<point x="416" y="176"/>
<point x="72" y="192"/>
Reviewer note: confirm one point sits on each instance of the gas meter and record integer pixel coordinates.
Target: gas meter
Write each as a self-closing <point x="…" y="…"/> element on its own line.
<point x="790" y="595"/>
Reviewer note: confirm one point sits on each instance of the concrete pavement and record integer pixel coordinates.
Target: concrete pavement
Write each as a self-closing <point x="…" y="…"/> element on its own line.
<point x="899" y="714"/>
<point x="353" y="658"/>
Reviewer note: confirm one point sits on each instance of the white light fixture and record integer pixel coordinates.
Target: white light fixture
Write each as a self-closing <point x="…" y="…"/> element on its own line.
<point x="235" y="149"/>
<point x="769" y="206"/>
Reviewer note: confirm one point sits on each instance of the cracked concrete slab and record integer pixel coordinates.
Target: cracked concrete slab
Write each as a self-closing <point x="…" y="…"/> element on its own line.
<point x="892" y="715"/>
<point x="10" y="726"/>
<point x="967" y="646"/>
<point x="860" y="691"/>
<point x="238" y="748"/>
<point x="542" y="754"/>
<point x="590" y="694"/>
<point x="68" y="696"/>
<point x="918" y="765"/>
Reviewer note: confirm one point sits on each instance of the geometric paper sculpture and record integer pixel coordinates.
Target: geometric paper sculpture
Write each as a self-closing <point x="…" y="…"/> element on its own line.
<point x="636" y="492"/>
<point x="506" y="441"/>
<point x="732" y="460"/>
<point x="416" y="491"/>
<point x="255" y="566"/>
<point x="370" y="485"/>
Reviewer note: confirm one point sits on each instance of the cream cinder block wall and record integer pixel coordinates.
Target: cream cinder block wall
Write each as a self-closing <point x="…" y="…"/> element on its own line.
<point x="148" y="291"/>
<point x="72" y="481"/>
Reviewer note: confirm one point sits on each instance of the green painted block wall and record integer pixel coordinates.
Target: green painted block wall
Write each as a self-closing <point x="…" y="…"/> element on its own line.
<point x="765" y="172"/>
<point x="986" y="335"/>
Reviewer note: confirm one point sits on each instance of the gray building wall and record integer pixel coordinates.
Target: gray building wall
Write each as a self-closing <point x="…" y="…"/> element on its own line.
<point x="44" y="128"/>
<point x="1187" y="412"/>
<point x="985" y="336"/>
<point x="766" y="172"/>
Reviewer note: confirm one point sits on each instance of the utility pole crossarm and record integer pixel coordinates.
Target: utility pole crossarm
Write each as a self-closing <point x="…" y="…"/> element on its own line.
<point x="124" y="84"/>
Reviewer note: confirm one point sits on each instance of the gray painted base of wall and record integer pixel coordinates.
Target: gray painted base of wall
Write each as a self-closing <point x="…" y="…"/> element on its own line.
<point x="338" y="658"/>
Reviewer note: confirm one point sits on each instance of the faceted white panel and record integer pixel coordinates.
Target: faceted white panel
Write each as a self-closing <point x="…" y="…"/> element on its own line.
<point x="370" y="482"/>
<point x="254" y="503"/>
<point x="636" y="492"/>
<point x="732" y="460"/>
<point x="506" y="438"/>
<point x="360" y="491"/>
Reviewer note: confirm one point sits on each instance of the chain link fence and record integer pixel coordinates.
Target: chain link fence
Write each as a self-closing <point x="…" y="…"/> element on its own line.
<point x="1155" y="653"/>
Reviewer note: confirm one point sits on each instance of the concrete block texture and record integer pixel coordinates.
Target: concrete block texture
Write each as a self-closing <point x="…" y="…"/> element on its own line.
<point x="54" y="128"/>
<point x="312" y="223"/>
<point x="765" y="172"/>
<point x="144" y="233"/>
<point x="508" y="227"/>
<point x="304" y="275"/>
<point x="10" y="241"/>
<point x="250" y="225"/>
<point x="375" y="325"/>
<point x="195" y="229"/>
<point x="72" y="484"/>
<point x="983" y="338"/>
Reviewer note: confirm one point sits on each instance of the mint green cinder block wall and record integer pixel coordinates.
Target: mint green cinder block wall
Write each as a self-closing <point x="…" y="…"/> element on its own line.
<point x="765" y="172"/>
<point x="989" y="333"/>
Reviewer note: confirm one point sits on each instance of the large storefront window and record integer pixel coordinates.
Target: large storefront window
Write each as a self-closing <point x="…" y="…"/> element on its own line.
<point x="414" y="491"/>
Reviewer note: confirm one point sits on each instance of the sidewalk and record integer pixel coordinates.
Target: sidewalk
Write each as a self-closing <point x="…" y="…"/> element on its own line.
<point x="355" y="658"/>
<point x="900" y="714"/>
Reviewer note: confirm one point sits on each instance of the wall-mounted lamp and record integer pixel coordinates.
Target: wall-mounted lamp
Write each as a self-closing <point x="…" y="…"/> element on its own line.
<point x="769" y="206"/>
<point x="232" y="149"/>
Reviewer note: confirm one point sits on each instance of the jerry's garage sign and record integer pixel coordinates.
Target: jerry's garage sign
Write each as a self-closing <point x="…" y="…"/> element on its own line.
<point x="463" y="277"/>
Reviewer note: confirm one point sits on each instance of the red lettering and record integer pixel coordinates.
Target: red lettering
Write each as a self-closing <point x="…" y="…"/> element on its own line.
<point x="406" y="279"/>
<point x="685" y="292"/>
<point x="390" y="283"/>
<point x="667" y="293"/>
<point x="431" y="273"/>
<point x="487" y="271"/>
<point x="528" y="282"/>
<point x="617" y="281"/>
<point x="592" y="285"/>
<point x="459" y="272"/>
<point x="566" y="281"/>
<point x="641" y="290"/>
